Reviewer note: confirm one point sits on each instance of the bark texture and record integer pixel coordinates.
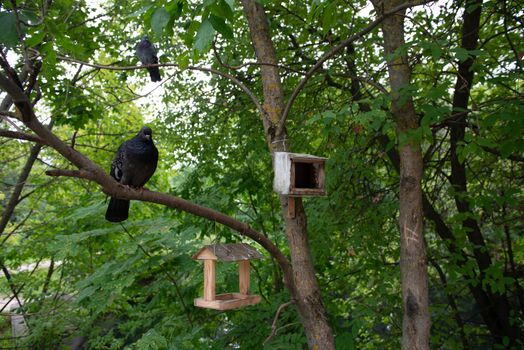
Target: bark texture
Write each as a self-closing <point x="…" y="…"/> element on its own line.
<point x="413" y="261"/>
<point x="306" y="290"/>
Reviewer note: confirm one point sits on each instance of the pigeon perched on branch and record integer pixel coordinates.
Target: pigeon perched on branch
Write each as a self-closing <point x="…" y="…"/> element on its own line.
<point x="134" y="164"/>
<point x="146" y="53"/>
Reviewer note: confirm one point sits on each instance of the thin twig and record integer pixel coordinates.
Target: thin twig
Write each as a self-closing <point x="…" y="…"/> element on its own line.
<point x="247" y="64"/>
<point x="274" y="324"/>
<point x="235" y="80"/>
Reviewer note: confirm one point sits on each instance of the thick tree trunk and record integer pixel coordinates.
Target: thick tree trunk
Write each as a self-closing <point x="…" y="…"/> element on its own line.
<point x="305" y="291"/>
<point x="413" y="261"/>
<point x="482" y="297"/>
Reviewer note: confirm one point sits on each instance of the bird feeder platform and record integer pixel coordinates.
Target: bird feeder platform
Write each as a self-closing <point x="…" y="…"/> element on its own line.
<point x="240" y="252"/>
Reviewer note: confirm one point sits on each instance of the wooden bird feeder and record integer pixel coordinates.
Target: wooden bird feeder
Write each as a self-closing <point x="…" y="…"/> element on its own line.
<point x="240" y="252"/>
<point x="298" y="175"/>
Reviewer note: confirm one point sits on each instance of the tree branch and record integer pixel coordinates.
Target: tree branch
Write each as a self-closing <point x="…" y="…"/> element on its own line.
<point x="274" y="324"/>
<point x="496" y="152"/>
<point x="115" y="189"/>
<point x="90" y="170"/>
<point x="21" y="136"/>
<point x="18" y="97"/>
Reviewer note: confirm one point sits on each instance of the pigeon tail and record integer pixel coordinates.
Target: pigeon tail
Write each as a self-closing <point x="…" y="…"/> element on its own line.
<point x="117" y="210"/>
<point x="154" y="73"/>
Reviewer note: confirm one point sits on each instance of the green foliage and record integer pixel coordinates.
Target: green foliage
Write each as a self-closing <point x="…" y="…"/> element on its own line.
<point x="133" y="288"/>
<point x="8" y="32"/>
<point x="204" y="36"/>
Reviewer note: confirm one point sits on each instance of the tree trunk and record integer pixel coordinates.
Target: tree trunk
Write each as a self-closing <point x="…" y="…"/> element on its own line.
<point x="413" y="261"/>
<point x="305" y="290"/>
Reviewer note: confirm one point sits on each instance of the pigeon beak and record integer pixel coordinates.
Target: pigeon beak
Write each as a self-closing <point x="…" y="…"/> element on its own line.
<point x="148" y="137"/>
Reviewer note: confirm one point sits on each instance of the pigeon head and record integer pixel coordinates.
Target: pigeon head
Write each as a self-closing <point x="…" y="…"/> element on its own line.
<point x="146" y="133"/>
<point x="145" y="38"/>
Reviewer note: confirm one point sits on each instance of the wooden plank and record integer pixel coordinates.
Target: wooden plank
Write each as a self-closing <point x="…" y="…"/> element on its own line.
<point x="292" y="176"/>
<point x="228" y="301"/>
<point x="243" y="276"/>
<point x="290" y="207"/>
<point x="306" y="158"/>
<point x="321" y="177"/>
<point x="205" y="254"/>
<point x="307" y="192"/>
<point x="209" y="280"/>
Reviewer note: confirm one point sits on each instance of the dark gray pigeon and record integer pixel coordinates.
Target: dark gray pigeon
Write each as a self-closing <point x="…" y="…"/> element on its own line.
<point x="134" y="164"/>
<point x="146" y="53"/>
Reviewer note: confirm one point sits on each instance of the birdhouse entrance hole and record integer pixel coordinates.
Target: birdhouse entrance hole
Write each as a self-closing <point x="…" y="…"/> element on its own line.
<point x="306" y="175"/>
<point x="240" y="252"/>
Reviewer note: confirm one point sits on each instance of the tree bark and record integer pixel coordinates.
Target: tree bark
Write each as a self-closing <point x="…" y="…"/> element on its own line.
<point x="306" y="292"/>
<point x="413" y="261"/>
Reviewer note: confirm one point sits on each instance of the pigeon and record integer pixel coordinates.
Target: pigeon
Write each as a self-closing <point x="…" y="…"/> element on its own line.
<point x="134" y="164"/>
<point x="146" y="53"/>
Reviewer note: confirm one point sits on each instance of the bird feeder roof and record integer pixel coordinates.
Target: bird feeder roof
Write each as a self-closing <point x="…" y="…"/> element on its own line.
<point x="227" y="252"/>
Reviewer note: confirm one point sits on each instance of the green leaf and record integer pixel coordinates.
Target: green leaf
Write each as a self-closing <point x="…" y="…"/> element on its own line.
<point x="140" y="11"/>
<point x="505" y="341"/>
<point x="476" y="52"/>
<point x="8" y="34"/>
<point x="436" y="52"/>
<point x="190" y="33"/>
<point x="222" y="9"/>
<point x="159" y="21"/>
<point x="29" y="17"/>
<point x="204" y="36"/>
<point x="175" y="9"/>
<point x="329" y="115"/>
<point x="328" y="17"/>
<point x="182" y="61"/>
<point x="35" y="39"/>
<point x="50" y="57"/>
<point x="460" y="53"/>
<point x="231" y="3"/>
<point x="220" y="25"/>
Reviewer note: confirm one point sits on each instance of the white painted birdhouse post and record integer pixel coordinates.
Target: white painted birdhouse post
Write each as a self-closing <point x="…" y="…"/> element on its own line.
<point x="240" y="252"/>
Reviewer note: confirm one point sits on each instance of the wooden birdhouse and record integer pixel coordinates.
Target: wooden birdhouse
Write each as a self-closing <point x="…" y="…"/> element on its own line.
<point x="299" y="175"/>
<point x="240" y="252"/>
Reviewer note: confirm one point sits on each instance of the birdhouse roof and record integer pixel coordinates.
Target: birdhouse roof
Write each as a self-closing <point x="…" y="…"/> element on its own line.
<point x="286" y="156"/>
<point x="227" y="252"/>
<point x="304" y="156"/>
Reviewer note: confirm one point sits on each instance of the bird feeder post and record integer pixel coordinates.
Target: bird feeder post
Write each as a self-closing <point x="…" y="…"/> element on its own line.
<point x="209" y="280"/>
<point x="243" y="273"/>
